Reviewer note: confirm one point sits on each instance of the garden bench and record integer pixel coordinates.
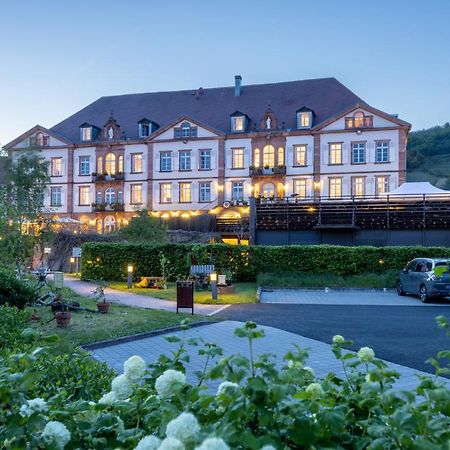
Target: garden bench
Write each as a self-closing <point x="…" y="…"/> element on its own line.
<point x="200" y="273"/>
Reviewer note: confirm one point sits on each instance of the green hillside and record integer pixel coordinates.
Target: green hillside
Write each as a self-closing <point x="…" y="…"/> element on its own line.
<point x="428" y="156"/>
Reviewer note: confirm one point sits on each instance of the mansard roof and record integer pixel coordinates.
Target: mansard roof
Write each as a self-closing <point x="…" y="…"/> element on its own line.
<point x="327" y="97"/>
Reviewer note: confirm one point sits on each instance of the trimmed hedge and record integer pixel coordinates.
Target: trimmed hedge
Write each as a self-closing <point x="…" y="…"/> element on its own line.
<point x="109" y="261"/>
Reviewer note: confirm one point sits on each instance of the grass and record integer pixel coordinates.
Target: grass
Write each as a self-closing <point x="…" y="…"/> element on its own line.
<point x="245" y="293"/>
<point x="312" y="280"/>
<point x="86" y="327"/>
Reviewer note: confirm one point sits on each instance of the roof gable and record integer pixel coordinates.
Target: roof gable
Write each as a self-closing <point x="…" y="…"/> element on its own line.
<point x="20" y="141"/>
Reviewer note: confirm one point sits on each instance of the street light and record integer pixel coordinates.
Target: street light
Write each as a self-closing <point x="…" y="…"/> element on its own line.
<point x="130" y="276"/>
<point x="72" y="261"/>
<point x="213" y="279"/>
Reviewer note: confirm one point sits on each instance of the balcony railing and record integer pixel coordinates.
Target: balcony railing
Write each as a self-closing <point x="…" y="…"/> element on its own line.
<point x="99" y="177"/>
<point x="100" y="207"/>
<point x="357" y="123"/>
<point x="267" y="171"/>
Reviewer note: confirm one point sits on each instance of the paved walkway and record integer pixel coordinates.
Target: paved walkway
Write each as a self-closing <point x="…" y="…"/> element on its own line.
<point x="128" y="298"/>
<point x="277" y="342"/>
<point x="344" y="297"/>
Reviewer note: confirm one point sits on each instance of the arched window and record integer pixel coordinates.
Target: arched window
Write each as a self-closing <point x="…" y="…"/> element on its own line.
<point x="185" y="129"/>
<point x="109" y="224"/>
<point x="110" y="164"/>
<point x="358" y="119"/>
<point x="257" y="157"/>
<point x="99" y="165"/>
<point x="268" y="190"/>
<point x="110" y="196"/>
<point x="268" y="156"/>
<point x="40" y="139"/>
<point x="281" y="156"/>
<point x="120" y="164"/>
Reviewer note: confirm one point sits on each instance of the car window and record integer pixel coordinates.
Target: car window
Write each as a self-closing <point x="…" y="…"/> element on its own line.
<point x="411" y="266"/>
<point x="419" y="267"/>
<point x="429" y="265"/>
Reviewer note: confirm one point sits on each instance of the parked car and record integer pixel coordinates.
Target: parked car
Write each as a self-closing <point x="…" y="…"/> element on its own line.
<point x="425" y="277"/>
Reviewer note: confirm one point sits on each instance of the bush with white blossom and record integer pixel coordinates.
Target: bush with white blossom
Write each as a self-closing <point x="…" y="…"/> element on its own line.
<point x="169" y="383"/>
<point x="56" y="434"/>
<point x="33" y="406"/>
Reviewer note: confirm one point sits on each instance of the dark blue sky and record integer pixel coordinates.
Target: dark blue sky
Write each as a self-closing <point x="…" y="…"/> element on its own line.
<point x="58" y="56"/>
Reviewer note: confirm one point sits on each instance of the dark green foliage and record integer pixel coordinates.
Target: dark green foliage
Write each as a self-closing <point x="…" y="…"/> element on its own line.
<point x="12" y="322"/>
<point x="15" y="292"/>
<point x="144" y="229"/>
<point x="109" y="260"/>
<point x="433" y="141"/>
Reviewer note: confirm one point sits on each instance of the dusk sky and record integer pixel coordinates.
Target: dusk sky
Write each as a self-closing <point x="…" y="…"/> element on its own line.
<point x="57" y="57"/>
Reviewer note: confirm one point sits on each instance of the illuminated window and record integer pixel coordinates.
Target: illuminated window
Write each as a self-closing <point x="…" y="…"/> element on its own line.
<point x="304" y="119"/>
<point x="237" y="158"/>
<point x="99" y="165"/>
<point x="381" y="185"/>
<point x="205" y="159"/>
<point x="85" y="165"/>
<point x="165" y="193"/>
<point x="84" y="195"/>
<point x="185" y="131"/>
<point x="358" y="186"/>
<point x="358" y="119"/>
<point x="300" y="188"/>
<point x="86" y="134"/>
<point x="257" y="157"/>
<point x="110" y="164"/>
<point x="281" y="156"/>
<point x="136" y="162"/>
<point x="359" y="153"/>
<point x="136" y="194"/>
<point x="237" y="123"/>
<point x="109" y="224"/>
<point x="120" y="164"/>
<point x="269" y="156"/>
<point x="205" y="192"/>
<point x="56" y="196"/>
<point x="382" y="152"/>
<point x="335" y="188"/>
<point x="165" y="162"/>
<point x="237" y="190"/>
<point x="110" y="196"/>
<point x="185" y="160"/>
<point x="335" y="152"/>
<point x="299" y="155"/>
<point x="185" y="192"/>
<point x="56" y="167"/>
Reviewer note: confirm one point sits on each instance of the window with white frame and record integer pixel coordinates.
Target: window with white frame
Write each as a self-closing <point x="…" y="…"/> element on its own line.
<point x="335" y="187"/>
<point x="144" y="130"/>
<point x="280" y="156"/>
<point x="109" y="224"/>
<point x="300" y="188"/>
<point x="56" y="196"/>
<point x="99" y="197"/>
<point x="165" y="193"/>
<point x="237" y="190"/>
<point x="110" y="164"/>
<point x="185" y="160"/>
<point x="299" y="155"/>
<point x="269" y="156"/>
<point x="358" y="153"/>
<point x="84" y="194"/>
<point x="358" y="186"/>
<point x="99" y="165"/>
<point x="237" y="158"/>
<point x="165" y="162"/>
<point x="56" y="167"/>
<point x="185" y="129"/>
<point x="86" y="133"/>
<point x="382" y="152"/>
<point x="110" y="196"/>
<point x="136" y="194"/>
<point x="304" y="119"/>
<point x="185" y="192"/>
<point x="237" y="123"/>
<point x="204" y="192"/>
<point x="205" y="160"/>
<point x="120" y="197"/>
<point x="136" y="162"/>
<point x="335" y="153"/>
<point x="381" y="185"/>
<point x="120" y="164"/>
<point x="85" y="163"/>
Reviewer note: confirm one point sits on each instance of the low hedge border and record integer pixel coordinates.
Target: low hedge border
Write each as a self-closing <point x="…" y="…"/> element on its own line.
<point x="108" y="261"/>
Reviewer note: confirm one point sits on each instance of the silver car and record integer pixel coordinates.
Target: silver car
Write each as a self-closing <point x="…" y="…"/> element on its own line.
<point x="426" y="277"/>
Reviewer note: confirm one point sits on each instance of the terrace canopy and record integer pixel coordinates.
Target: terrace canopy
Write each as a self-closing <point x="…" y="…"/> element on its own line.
<point x="418" y="189"/>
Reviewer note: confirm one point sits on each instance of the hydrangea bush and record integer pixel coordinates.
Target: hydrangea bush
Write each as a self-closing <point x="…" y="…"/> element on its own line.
<point x="258" y="405"/>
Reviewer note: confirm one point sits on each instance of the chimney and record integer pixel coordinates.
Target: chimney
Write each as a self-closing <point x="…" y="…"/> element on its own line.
<point x="237" y="85"/>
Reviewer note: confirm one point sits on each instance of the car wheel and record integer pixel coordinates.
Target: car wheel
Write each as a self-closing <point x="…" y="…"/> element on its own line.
<point x="423" y="294"/>
<point x="400" y="290"/>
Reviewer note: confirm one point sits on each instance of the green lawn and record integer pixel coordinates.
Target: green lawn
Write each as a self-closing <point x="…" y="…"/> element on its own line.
<point x="86" y="328"/>
<point x="245" y="293"/>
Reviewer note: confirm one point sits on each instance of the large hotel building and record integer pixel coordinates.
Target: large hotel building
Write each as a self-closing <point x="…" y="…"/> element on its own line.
<point x="207" y="151"/>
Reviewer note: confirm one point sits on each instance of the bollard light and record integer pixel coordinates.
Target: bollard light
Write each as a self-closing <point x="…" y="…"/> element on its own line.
<point x="130" y="276"/>
<point x="213" y="279"/>
<point x="72" y="259"/>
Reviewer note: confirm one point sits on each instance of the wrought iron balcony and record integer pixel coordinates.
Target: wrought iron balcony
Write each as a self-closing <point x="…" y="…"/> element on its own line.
<point x="100" y="177"/>
<point x="101" y="207"/>
<point x="267" y="171"/>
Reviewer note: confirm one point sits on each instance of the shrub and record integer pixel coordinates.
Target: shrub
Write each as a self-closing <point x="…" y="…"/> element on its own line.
<point x="15" y="292"/>
<point x="12" y="323"/>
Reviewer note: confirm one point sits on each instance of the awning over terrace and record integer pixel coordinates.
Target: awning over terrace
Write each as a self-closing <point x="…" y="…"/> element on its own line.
<point x="418" y="189"/>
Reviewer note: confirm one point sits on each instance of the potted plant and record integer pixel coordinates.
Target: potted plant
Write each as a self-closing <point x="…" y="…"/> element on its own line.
<point x="102" y="304"/>
<point x="62" y="316"/>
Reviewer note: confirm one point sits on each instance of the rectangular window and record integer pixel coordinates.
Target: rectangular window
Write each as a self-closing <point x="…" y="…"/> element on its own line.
<point x="136" y="194"/>
<point x="166" y="162"/>
<point x="136" y="162"/>
<point x="165" y="193"/>
<point x="304" y="119"/>
<point x="237" y="123"/>
<point x="335" y="190"/>
<point x="56" y="167"/>
<point x="382" y="152"/>
<point x="86" y="134"/>
<point x="204" y="192"/>
<point x="381" y="185"/>
<point x="84" y="195"/>
<point x="299" y="155"/>
<point x="144" y="130"/>
<point x="185" y="160"/>
<point x="237" y="158"/>
<point x="56" y="196"/>
<point x="358" y="186"/>
<point x="335" y="153"/>
<point x="358" y="153"/>
<point x="85" y="163"/>
<point x="205" y="160"/>
<point x="300" y="188"/>
<point x="185" y="193"/>
<point x="237" y="192"/>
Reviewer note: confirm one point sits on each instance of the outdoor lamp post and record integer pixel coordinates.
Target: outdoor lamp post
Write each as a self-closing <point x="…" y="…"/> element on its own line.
<point x="72" y="261"/>
<point x="213" y="279"/>
<point x="130" y="276"/>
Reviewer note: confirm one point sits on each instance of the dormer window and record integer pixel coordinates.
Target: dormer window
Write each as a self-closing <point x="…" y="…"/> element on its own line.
<point x="304" y="118"/>
<point x="238" y="122"/>
<point x="86" y="133"/>
<point x="359" y="120"/>
<point x="144" y="130"/>
<point x="185" y="130"/>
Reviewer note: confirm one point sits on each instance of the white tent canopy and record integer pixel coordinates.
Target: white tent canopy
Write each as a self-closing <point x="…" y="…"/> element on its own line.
<point x="418" y="189"/>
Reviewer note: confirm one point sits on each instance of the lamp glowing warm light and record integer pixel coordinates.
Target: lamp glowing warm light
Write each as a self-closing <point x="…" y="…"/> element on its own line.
<point x="130" y="268"/>
<point x="185" y="215"/>
<point x="316" y="184"/>
<point x="213" y="276"/>
<point x="72" y="259"/>
<point x="165" y="216"/>
<point x="220" y="188"/>
<point x="381" y="261"/>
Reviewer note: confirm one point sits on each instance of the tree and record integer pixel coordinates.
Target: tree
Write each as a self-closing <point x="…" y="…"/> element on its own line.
<point x="144" y="229"/>
<point x="21" y="207"/>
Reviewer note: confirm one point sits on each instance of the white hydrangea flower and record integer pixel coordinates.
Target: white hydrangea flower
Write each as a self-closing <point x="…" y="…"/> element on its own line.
<point x="35" y="405"/>
<point x="213" y="444"/>
<point x="184" y="428"/>
<point x="55" y="433"/>
<point x="296" y="364"/>
<point x="170" y="443"/>
<point x="268" y="447"/>
<point x="122" y="387"/>
<point x="166" y="382"/>
<point x="366" y="354"/>
<point x="315" y="390"/>
<point x="226" y="385"/>
<point x="108" y="399"/>
<point x="310" y="370"/>
<point x="338" y="339"/>
<point x="134" y="368"/>
<point x="148" y="443"/>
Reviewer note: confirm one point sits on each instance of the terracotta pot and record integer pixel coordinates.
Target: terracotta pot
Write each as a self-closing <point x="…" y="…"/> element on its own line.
<point x="103" y="307"/>
<point x="63" y="318"/>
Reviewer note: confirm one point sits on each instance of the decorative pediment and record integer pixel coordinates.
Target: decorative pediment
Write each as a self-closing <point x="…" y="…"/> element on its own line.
<point x="36" y="138"/>
<point x="269" y="121"/>
<point x="111" y="129"/>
